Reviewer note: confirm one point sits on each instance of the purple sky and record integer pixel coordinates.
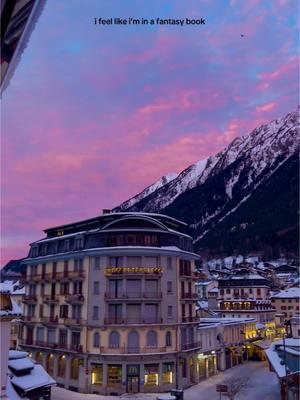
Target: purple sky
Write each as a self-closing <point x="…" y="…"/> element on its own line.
<point x="94" y="114"/>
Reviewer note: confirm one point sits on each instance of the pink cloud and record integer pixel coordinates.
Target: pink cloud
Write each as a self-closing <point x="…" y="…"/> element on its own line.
<point x="265" y="107"/>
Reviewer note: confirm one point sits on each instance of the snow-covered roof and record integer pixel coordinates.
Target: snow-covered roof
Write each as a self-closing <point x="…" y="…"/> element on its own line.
<point x="277" y="357"/>
<point x="288" y="293"/>
<point x="15" y="309"/>
<point x="36" y="377"/>
<point x="14" y="288"/>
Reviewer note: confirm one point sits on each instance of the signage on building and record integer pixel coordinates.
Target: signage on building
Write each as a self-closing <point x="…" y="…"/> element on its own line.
<point x="222" y="388"/>
<point x="132" y="270"/>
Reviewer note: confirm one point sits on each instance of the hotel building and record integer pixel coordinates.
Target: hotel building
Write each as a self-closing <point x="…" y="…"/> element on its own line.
<point x="110" y="304"/>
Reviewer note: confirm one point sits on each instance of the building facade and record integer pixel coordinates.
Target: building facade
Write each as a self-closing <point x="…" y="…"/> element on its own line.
<point x="246" y="296"/>
<point x="109" y="304"/>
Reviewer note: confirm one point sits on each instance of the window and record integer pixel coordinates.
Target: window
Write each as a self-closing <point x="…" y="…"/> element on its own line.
<point x="42" y="289"/>
<point x="151" y="339"/>
<point x="114" y="375"/>
<point x="40" y="334"/>
<point x="95" y="312"/>
<point x="63" y="337"/>
<point x="51" y="336"/>
<point x="258" y="292"/>
<point x="168" y="372"/>
<point x="97" y="262"/>
<point x="116" y="262"/>
<point x="168" y="339"/>
<point x="283" y="300"/>
<point x="75" y="340"/>
<point x="221" y="291"/>
<point x="169" y="286"/>
<point x="96" y="339"/>
<point x="74" y="373"/>
<point x="97" y="287"/>
<point x="170" y="311"/>
<point x="114" y="340"/>
<point x="227" y="291"/>
<point x="250" y="290"/>
<point x="41" y="311"/>
<point x="97" y="374"/>
<point x="283" y="307"/>
<point x="290" y="300"/>
<point x="61" y="366"/>
<point x="64" y="288"/>
<point x="67" y="245"/>
<point x="151" y="375"/>
<point x="169" y="263"/>
<point x="39" y="357"/>
<point x="31" y="310"/>
<point x="79" y="242"/>
<point x="32" y="290"/>
<point x="63" y="311"/>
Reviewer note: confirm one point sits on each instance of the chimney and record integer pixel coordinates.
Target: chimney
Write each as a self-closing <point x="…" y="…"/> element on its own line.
<point x="106" y="211"/>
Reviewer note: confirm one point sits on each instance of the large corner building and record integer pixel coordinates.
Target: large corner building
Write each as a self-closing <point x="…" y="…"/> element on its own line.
<point x="109" y="304"/>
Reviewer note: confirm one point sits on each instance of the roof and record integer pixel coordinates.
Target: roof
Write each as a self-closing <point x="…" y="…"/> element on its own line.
<point x="36" y="377"/>
<point x="277" y="354"/>
<point x="288" y="293"/>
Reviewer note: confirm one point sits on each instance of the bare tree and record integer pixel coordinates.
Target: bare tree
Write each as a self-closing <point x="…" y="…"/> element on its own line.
<point x="235" y="386"/>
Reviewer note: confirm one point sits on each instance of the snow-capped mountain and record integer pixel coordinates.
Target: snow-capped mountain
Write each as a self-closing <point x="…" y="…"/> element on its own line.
<point x="146" y="192"/>
<point x="212" y="191"/>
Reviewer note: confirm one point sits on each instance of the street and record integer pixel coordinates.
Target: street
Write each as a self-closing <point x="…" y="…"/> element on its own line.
<point x="262" y="386"/>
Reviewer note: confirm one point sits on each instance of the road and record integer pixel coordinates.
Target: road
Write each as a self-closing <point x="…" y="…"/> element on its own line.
<point x="262" y="385"/>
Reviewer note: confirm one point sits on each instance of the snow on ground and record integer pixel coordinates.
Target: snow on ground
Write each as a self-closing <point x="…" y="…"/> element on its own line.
<point x="263" y="384"/>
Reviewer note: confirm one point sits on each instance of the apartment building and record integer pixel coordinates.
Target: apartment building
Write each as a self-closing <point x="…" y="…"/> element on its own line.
<point x="287" y="302"/>
<point x="110" y="304"/>
<point x="246" y="296"/>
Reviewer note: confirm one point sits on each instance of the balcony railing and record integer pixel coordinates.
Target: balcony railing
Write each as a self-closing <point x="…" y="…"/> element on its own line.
<point x="130" y="321"/>
<point x="190" y="319"/>
<point x="132" y="350"/>
<point x="50" y="276"/>
<point x="74" y="321"/>
<point x="189" y="296"/>
<point x="49" y="320"/>
<point x="188" y="346"/>
<point x="136" y="295"/>
<point x="74" y="298"/>
<point x="29" y="318"/>
<point x="30" y="298"/>
<point x="50" y="298"/>
<point x="63" y="346"/>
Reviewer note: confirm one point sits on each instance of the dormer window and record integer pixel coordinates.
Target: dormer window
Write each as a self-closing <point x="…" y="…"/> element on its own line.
<point x="67" y="245"/>
<point x="34" y="251"/>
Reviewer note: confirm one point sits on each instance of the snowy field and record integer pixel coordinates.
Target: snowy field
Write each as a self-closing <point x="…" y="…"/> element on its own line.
<point x="262" y="386"/>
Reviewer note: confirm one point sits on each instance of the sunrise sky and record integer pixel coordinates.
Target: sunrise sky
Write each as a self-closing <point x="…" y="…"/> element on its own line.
<point x="94" y="114"/>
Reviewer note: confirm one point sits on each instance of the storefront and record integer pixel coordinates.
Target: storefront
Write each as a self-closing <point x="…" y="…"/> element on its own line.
<point x="207" y="365"/>
<point x="114" y="376"/>
<point x="133" y="378"/>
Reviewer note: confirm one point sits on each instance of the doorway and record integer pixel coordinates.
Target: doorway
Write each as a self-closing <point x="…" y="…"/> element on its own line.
<point x="133" y="378"/>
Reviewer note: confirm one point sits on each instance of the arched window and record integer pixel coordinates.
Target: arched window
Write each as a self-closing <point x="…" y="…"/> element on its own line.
<point x="114" y="340"/>
<point x="38" y="357"/>
<point x="151" y="339"/>
<point x="96" y="339"/>
<point x="133" y="342"/>
<point x="168" y="339"/>
<point x="50" y="364"/>
<point x="61" y="366"/>
<point x="74" y="374"/>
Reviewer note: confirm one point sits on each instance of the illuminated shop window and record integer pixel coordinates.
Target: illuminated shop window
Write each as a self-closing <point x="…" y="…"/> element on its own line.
<point x="97" y="374"/>
<point x="168" y="373"/>
<point x="50" y="364"/>
<point x="151" y="375"/>
<point x="62" y="366"/>
<point x="74" y="368"/>
<point x="114" y="375"/>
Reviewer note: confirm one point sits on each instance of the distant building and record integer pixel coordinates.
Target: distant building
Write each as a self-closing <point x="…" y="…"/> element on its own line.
<point x="18" y="18"/>
<point x="286" y="302"/>
<point x="246" y="296"/>
<point x="110" y="304"/>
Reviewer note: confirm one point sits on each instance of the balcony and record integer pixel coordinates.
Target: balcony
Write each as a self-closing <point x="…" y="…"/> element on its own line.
<point x="33" y="278"/>
<point x="30" y="298"/>
<point x="50" y="299"/>
<point x="190" y="346"/>
<point x="29" y="318"/>
<point x="74" y="298"/>
<point x="59" y="346"/>
<point x="189" y="296"/>
<point x="62" y="276"/>
<point x="133" y="296"/>
<point x="190" y="319"/>
<point x="132" y="321"/>
<point x="49" y="320"/>
<point x="132" y="350"/>
<point x="74" y="321"/>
